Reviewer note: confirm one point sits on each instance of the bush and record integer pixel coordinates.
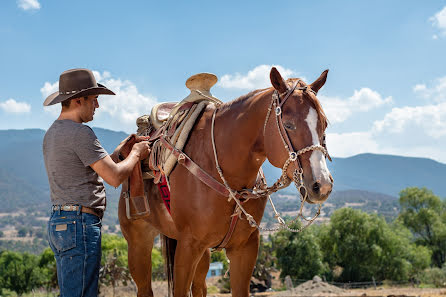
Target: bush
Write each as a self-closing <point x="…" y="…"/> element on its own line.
<point x="433" y="276"/>
<point x="365" y="246"/>
<point x="299" y="254"/>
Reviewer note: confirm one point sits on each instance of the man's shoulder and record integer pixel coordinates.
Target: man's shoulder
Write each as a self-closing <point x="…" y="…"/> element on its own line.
<point x="85" y="130"/>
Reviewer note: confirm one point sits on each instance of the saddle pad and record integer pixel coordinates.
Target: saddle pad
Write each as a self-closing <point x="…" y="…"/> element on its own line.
<point x="164" y="192"/>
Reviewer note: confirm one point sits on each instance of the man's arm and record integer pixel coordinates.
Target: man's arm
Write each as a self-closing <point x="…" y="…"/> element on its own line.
<point x="115" y="173"/>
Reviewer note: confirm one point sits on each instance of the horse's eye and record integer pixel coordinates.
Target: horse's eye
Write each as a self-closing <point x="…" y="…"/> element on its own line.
<point x="289" y="126"/>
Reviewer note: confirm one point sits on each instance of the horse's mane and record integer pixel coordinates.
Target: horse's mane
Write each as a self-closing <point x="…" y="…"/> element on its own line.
<point x="242" y="98"/>
<point x="322" y="118"/>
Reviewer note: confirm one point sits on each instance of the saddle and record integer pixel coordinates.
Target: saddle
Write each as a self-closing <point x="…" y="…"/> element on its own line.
<point x="172" y="121"/>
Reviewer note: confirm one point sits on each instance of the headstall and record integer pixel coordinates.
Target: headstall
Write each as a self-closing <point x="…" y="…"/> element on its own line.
<point x="283" y="181"/>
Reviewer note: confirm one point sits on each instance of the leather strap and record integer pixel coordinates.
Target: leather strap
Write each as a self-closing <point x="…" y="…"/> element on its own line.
<point x="202" y="175"/>
<point x="228" y="235"/>
<point x="196" y="170"/>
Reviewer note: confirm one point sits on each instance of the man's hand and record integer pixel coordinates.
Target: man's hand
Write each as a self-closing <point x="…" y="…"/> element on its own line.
<point x="142" y="149"/>
<point x="133" y="149"/>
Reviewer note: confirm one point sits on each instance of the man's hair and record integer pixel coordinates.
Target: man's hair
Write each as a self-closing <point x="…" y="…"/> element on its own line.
<point x="67" y="103"/>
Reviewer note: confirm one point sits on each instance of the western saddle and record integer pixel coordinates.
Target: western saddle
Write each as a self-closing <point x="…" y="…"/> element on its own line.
<point x="169" y="122"/>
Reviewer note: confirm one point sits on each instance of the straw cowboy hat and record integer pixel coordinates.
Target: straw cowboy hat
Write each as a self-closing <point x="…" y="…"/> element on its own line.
<point x="76" y="83"/>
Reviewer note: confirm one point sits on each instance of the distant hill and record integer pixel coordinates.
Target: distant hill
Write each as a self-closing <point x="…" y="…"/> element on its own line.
<point x="384" y="174"/>
<point x="23" y="179"/>
<point x="388" y="174"/>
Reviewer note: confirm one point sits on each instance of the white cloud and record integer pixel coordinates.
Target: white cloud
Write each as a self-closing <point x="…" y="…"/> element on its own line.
<point x="115" y="112"/>
<point x="338" y="110"/>
<point x="430" y="118"/>
<point x="128" y="104"/>
<point x="436" y="92"/>
<point x="352" y="143"/>
<point x="439" y="22"/>
<point x="256" y="78"/>
<point x="12" y="106"/>
<point x="29" y="4"/>
<point x="46" y="90"/>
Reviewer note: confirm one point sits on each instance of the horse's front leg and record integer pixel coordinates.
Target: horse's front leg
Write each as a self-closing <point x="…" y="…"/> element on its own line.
<point x="187" y="256"/>
<point x="242" y="260"/>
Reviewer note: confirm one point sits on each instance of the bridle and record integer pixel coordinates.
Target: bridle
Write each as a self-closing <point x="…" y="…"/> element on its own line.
<point x="283" y="181"/>
<point x="293" y="156"/>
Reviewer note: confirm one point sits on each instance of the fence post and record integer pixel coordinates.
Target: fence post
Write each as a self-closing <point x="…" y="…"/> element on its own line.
<point x="374" y="283"/>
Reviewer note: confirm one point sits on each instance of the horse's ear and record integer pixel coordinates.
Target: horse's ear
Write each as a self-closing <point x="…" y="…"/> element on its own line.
<point x="277" y="81"/>
<point x="318" y="83"/>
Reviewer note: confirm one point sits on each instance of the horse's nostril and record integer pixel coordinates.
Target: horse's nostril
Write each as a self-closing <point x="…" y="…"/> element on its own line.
<point x="316" y="187"/>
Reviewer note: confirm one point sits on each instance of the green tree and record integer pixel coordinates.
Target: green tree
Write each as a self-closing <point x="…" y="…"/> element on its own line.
<point x="19" y="272"/>
<point x="265" y="263"/>
<point x="424" y="214"/>
<point x="365" y="246"/>
<point x="47" y="264"/>
<point x="298" y="254"/>
<point x="22" y="232"/>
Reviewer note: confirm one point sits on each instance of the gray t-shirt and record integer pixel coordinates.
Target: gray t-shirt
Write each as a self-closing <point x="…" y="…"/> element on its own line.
<point x="69" y="148"/>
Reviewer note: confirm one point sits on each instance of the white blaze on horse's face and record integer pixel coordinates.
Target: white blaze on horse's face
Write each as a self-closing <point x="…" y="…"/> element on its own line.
<point x="317" y="159"/>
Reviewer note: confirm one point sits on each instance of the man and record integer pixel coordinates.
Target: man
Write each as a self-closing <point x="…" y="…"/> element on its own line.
<point x="76" y="165"/>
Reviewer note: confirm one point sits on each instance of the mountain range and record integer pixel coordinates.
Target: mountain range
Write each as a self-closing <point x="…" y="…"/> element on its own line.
<point x="23" y="180"/>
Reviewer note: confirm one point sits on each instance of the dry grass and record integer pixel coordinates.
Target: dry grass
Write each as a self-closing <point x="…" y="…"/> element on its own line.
<point x="160" y="290"/>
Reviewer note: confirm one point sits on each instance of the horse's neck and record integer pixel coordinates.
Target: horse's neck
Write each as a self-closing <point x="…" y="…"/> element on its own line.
<point x="241" y="130"/>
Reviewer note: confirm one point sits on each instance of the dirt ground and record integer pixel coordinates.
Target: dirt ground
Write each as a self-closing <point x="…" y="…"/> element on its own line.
<point x="160" y="290"/>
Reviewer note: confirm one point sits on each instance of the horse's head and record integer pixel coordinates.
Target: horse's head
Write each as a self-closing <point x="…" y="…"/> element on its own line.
<point x="295" y="134"/>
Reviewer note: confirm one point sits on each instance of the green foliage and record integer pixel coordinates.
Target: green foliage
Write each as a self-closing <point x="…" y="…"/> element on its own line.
<point x="365" y="246"/>
<point x="265" y="263"/>
<point x="47" y="264"/>
<point x="19" y="272"/>
<point x="433" y="276"/>
<point x="22" y="232"/>
<point x="114" y="271"/>
<point x="112" y="244"/>
<point x="220" y="256"/>
<point x="424" y="214"/>
<point x="298" y="254"/>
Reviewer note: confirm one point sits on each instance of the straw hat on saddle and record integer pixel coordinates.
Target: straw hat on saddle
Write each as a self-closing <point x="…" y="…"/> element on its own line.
<point x="76" y="83"/>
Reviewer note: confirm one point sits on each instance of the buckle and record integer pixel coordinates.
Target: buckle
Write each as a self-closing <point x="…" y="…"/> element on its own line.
<point x="293" y="156"/>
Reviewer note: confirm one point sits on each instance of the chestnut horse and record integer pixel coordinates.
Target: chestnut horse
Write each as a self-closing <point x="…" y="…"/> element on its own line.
<point x="285" y="124"/>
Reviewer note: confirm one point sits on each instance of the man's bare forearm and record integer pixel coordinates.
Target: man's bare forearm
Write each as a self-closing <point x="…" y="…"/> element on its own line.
<point x="125" y="167"/>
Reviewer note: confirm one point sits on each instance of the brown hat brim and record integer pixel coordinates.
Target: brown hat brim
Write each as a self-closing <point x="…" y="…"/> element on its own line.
<point x="57" y="97"/>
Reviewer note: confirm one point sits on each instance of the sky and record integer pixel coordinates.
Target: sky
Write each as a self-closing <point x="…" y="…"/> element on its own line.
<point x="385" y="92"/>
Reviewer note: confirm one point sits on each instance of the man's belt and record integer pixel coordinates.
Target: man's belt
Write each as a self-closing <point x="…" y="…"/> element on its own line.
<point x="84" y="209"/>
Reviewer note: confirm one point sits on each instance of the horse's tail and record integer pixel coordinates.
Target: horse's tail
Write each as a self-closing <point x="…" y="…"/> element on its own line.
<point x="169" y="248"/>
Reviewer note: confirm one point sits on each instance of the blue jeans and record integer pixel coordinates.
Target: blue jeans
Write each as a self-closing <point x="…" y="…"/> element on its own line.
<point x="75" y="239"/>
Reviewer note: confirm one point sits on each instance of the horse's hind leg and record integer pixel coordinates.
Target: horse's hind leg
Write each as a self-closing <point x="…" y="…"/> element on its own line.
<point x="140" y="236"/>
<point x="199" y="288"/>
<point x="140" y="260"/>
<point x="140" y="244"/>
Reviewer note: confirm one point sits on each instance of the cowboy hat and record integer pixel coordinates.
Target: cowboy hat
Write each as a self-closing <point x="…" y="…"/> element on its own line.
<point x="76" y="83"/>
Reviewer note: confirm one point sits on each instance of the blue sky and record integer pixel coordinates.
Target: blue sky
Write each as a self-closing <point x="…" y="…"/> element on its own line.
<point x="386" y="89"/>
